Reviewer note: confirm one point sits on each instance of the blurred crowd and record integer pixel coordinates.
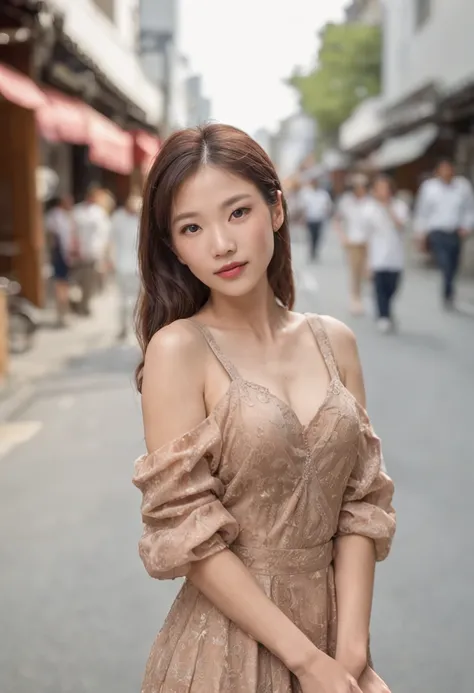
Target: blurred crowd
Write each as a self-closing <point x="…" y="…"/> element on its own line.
<point x="372" y="221"/>
<point x="88" y="244"/>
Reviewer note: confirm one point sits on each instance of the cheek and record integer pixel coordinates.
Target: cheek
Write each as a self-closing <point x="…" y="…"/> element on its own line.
<point x="263" y="238"/>
<point x="186" y="250"/>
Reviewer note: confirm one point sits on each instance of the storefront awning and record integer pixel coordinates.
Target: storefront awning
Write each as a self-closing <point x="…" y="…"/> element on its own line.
<point x="19" y="89"/>
<point x="146" y="148"/>
<point x="62" y="119"/>
<point x="109" y="146"/>
<point x="398" y="151"/>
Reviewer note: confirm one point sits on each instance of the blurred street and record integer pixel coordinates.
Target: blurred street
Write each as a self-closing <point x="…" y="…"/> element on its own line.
<point x="78" y="612"/>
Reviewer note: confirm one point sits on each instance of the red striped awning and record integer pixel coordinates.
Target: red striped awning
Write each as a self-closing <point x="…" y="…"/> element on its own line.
<point x="109" y="145"/>
<point x="146" y="148"/>
<point x="62" y="118"/>
<point x="19" y="88"/>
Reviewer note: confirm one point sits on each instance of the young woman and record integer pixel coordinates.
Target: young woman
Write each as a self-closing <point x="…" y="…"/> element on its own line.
<point x="386" y="217"/>
<point x="349" y="224"/>
<point x="263" y="484"/>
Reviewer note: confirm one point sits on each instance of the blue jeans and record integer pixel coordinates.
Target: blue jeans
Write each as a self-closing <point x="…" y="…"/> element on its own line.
<point x="386" y="283"/>
<point x="314" y="229"/>
<point x="446" y="249"/>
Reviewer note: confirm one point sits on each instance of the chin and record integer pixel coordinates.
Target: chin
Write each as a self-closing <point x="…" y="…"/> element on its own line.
<point x="235" y="289"/>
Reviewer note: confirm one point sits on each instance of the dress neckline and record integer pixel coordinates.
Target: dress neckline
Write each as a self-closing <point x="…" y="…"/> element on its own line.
<point x="322" y="341"/>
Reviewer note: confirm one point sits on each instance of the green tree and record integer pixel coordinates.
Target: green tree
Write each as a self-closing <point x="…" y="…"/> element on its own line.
<point x="348" y="71"/>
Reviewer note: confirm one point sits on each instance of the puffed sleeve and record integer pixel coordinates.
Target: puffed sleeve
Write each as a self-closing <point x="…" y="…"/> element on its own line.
<point x="184" y="519"/>
<point x="367" y="505"/>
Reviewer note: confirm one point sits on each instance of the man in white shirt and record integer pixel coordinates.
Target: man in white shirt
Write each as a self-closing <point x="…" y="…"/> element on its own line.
<point x="444" y="217"/>
<point x="124" y="250"/>
<point x="385" y="217"/>
<point x="316" y="206"/>
<point x="92" y="226"/>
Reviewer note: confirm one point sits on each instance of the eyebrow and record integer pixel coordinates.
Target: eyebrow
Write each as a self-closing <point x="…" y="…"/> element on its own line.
<point x="227" y="203"/>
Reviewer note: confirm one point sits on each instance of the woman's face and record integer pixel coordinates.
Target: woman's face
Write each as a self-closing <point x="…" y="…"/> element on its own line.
<point x="223" y="230"/>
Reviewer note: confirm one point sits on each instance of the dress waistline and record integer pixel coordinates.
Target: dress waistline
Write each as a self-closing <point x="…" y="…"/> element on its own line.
<point x="275" y="561"/>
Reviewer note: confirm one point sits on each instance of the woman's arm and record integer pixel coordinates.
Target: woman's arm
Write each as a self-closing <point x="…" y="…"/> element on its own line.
<point x="173" y="404"/>
<point x="354" y="556"/>
<point x="354" y="553"/>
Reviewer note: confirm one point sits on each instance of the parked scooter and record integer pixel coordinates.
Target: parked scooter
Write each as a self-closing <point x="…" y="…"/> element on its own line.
<point x="23" y="317"/>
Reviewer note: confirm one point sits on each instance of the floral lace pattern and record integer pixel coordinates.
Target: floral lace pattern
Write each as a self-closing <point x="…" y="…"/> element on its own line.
<point x="252" y="478"/>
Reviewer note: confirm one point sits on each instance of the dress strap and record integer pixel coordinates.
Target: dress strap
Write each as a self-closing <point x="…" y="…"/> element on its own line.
<point x="215" y="348"/>
<point x="321" y="336"/>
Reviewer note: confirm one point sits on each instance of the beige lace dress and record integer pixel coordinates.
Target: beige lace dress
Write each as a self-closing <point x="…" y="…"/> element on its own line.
<point x="254" y="479"/>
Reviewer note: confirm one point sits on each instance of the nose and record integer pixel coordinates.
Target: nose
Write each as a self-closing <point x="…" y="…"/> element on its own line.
<point x="223" y="243"/>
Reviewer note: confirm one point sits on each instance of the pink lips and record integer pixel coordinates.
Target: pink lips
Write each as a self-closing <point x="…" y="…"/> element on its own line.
<point x="232" y="270"/>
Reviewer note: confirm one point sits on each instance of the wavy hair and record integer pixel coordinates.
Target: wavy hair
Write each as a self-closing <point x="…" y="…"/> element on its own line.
<point x="169" y="290"/>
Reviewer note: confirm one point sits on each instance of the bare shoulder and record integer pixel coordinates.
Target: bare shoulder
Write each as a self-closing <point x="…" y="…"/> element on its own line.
<point x="346" y="353"/>
<point x="341" y="336"/>
<point x="173" y="375"/>
<point x="177" y="342"/>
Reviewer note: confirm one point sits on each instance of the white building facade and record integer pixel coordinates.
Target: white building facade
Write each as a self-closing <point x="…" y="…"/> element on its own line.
<point x="426" y="42"/>
<point x="293" y="143"/>
<point x="107" y="32"/>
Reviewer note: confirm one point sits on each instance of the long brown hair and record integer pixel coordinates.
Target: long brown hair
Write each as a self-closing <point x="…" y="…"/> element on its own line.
<point x="169" y="291"/>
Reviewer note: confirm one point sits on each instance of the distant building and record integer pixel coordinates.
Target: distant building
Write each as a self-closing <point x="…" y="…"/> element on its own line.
<point x="293" y="142"/>
<point x="198" y="106"/>
<point x="364" y="12"/>
<point x="265" y="139"/>
<point x="159" y="53"/>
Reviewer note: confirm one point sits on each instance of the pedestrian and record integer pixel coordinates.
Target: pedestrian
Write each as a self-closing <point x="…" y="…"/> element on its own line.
<point x="124" y="248"/>
<point x="263" y="483"/>
<point x="92" y="224"/>
<point x="386" y="218"/>
<point x="59" y="226"/>
<point x="444" y="217"/>
<point x="107" y="201"/>
<point x="316" y="205"/>
<point x="352" y="232"/>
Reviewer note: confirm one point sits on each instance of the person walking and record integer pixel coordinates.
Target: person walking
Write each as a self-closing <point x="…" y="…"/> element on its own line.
<point x="316" y="205"/>
<point x="92" y="224"/>
<point x="385" y="219"/>
<point x="444" y="217"/>
<point x="263" y="483"/>
<point x="59" y="226"/>
<point x="124" y="258"/>
<point x="352" y="232"/>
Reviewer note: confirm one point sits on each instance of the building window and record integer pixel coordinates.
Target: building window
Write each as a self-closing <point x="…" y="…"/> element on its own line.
<point x="422" y="12"/>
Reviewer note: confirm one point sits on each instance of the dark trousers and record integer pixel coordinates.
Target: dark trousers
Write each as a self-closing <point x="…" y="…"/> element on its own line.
<point x="314" y="230"/>
<point x="386" y="283"/>
<point x="446" y="248"/>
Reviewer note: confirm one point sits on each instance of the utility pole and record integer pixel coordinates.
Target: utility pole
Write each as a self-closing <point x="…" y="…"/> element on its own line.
<point x="153" y="41"/>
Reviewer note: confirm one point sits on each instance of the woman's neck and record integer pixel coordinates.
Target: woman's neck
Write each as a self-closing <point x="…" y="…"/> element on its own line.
<point x="256" y="312"/>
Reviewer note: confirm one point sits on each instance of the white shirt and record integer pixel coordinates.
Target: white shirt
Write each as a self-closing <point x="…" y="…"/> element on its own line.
<point x="351" y="212"/>
<point x="444" y="206"/>
<point x="92" y="231"/>
<point x="386" y="244"/>
<point x="125" y="241"/>
<point x="59" y="222"/>
<point x="316" y="203"/>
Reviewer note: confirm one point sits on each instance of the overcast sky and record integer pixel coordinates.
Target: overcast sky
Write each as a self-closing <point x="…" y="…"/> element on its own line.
<point x="244" y="48"/>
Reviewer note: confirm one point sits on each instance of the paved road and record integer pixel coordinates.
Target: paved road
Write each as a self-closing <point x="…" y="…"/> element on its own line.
<point x="77" y="611"/>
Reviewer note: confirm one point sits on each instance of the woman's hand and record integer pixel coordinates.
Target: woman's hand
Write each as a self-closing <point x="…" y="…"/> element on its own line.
<point x="324" y="675"/>
<point x="369" y="682"/>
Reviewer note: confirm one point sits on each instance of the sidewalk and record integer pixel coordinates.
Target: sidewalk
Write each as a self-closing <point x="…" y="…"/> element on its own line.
<point x="53" y="348"/>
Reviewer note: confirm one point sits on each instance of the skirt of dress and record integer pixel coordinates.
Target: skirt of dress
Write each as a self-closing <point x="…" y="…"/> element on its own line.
<point x="200" y="651"/>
